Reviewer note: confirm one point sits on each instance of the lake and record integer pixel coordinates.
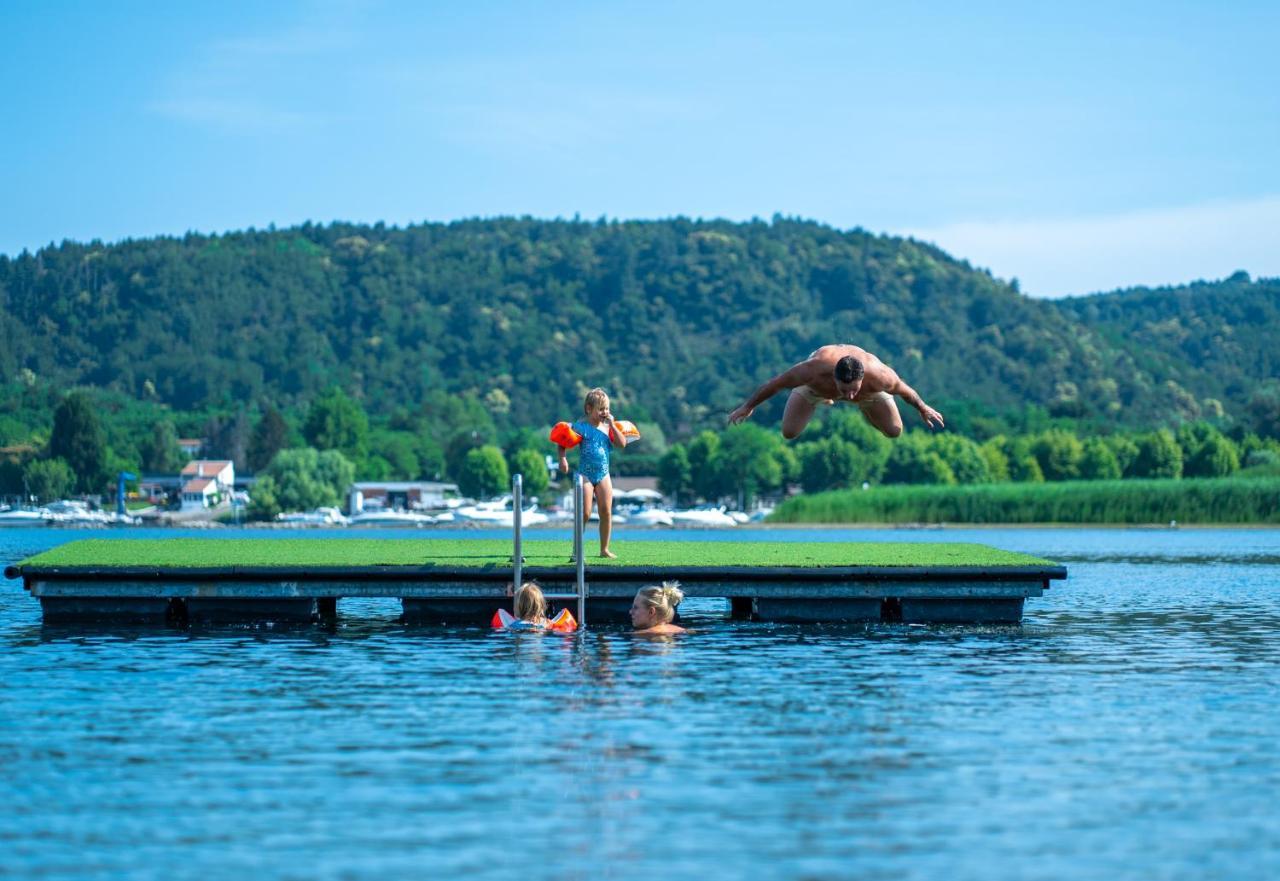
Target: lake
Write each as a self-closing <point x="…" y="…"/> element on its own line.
<point x="1127" y="729"/>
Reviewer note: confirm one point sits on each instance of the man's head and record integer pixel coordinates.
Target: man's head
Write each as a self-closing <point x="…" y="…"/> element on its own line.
<point x="848" y="377"/>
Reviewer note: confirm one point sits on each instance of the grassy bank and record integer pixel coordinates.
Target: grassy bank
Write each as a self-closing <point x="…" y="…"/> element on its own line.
<point x="343" y="552"/>
<point x="1228" y="500"/>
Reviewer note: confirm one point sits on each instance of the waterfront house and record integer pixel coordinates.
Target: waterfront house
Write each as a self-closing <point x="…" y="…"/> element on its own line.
<point x="402" y="495"/>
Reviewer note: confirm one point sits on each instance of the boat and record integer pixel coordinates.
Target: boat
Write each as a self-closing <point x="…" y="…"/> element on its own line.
<point x="650" y="517"/>
<point x="392" y="518"/>
<point x="702" y="517"/>
<point x="72" y="512"/>
<point x="24" y="517"/>
<point x="319" y="517"/>
<point x="500" y="512"/>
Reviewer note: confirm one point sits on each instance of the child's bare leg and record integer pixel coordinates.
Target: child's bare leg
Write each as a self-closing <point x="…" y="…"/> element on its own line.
<point x="604" y="494"/>
<point x="588" y="493"/>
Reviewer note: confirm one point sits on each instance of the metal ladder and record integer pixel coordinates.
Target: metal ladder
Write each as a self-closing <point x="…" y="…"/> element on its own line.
<point x="579" y="558"/>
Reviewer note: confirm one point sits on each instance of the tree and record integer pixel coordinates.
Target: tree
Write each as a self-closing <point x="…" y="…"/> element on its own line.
<point x="675" y="474"/>
<point x="1216" y="457"/>
<point x="1125" y="451"/>
<point x="830" y="463"/>
<point x="1158" y="456"/>
<point x="300" y="480"/>
<point x="704" y="475"/>
<point x="1098" y="462"/>
<point x="912" y="461"/>
<point x="78" y="440"/>
<point x="993" y="454"/>
<point x="1023" y="466"/>
<point x="335" y="422"/>
<point x="49" y="479"/>
<point x="484" y="473"/>
<point x="228" y="437"/>
<point x="161" y="453"/>
<point x="1059" y="453"/>
<point x="1263" y="409"/>
<point x="746" y="462"/>
<point x="269" y="437"/>
<point x="532" y="466"/>
<point x="962" y="456"/>
<point x="399" y="450"/>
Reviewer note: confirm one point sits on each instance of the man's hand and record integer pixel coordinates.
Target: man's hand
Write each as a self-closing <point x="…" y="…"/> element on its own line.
<point x="932" y="417"/>
<point x="742" y="414"/>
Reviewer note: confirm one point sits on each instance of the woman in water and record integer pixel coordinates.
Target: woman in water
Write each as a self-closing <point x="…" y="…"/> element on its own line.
<point x="654" y="607"/>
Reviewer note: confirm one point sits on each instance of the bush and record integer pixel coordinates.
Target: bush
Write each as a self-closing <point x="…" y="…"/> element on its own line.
<point x="484" y="473"/>
<point x="913" y="462"/>
<point x="1098" y="461"/>
<point x="1158" y="456"/>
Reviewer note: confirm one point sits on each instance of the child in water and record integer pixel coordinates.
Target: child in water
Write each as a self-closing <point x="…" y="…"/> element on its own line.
<point x="530" y="607"/>
<point x="599" y="432"/>
<point x="654" y="607"/>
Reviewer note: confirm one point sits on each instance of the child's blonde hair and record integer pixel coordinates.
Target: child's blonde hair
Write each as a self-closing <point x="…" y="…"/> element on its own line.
<point x="664" y="599"/>
<point x="595" y="398"/>
<point x="530" y="604"/>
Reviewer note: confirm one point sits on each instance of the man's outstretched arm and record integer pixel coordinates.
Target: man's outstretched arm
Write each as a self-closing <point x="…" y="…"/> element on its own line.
<point x="932" y="417"/>
<point x="796" y="376"/>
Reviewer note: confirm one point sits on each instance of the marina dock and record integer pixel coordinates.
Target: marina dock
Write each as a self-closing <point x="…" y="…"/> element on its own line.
<point x="465" y="581"/>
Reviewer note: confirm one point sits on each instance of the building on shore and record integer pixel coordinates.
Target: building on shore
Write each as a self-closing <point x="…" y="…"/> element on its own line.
<point x="206" y="482"/>
<point x="401" y="495"/>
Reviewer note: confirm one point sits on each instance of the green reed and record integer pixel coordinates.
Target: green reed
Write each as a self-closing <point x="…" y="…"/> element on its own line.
<point x="1226" y="500"/>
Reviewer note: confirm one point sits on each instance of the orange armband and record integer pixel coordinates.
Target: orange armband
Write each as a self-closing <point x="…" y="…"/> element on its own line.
<point x="563" y="435"/>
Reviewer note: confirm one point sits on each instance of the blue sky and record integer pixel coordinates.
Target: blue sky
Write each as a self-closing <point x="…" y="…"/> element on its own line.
<point x="1077" y="149"/>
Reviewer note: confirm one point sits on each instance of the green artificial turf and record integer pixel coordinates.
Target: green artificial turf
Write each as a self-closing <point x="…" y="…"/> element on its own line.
<point x="360" y="553"/>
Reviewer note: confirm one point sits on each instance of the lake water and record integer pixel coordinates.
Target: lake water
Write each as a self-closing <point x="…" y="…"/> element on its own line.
<point x="1129" y="728"/>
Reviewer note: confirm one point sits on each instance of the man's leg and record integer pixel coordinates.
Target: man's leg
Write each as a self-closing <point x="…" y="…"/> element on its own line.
<point x="882" y="412"/>
<point x="797" y="415"/>
<point x="604" y="495"/>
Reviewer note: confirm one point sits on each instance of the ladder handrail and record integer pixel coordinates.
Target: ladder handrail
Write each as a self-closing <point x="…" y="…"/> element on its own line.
<point x="517" y="551"/>
<point x="579" y="502"/>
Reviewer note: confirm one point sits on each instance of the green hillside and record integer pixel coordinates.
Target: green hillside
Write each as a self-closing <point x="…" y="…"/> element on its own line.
<point x="679" y="319"/>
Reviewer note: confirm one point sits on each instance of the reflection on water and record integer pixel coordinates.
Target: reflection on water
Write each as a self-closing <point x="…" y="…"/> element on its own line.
<point x="1126" y="729"/>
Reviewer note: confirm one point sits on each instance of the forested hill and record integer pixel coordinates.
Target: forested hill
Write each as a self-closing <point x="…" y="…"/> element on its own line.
<point x="679" y="319"/>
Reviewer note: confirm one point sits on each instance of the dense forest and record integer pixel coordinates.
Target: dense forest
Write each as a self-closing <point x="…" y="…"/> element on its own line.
<point x="494" y="326"/>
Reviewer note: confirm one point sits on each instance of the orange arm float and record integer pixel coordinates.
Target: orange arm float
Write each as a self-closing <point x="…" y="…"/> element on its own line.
<point x="563" y="435"/>
<point x="563" y="623"/>
<point x="627" y="430"/>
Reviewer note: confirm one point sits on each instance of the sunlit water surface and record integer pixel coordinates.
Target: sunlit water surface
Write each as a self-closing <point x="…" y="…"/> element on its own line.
<point x="1128" y="729"/>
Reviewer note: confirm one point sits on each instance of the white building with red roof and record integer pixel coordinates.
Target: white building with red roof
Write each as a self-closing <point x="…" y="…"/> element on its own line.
<point x="206" y="482"/>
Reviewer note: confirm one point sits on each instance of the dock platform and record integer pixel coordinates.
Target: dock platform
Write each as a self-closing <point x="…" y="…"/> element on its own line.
<point x="464" y="581"/>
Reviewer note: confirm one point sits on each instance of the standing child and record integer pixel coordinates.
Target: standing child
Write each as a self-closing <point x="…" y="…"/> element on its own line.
<point x="599" y="432"/>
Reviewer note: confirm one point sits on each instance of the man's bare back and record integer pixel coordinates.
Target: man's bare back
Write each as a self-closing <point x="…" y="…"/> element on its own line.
<point x="868" y="382"/>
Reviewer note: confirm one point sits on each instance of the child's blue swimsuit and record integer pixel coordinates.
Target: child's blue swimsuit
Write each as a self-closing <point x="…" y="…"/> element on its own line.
<point x="593" y="461"/>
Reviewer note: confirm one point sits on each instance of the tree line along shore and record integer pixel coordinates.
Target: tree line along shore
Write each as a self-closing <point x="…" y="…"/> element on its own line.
<point x="839" y="470"/>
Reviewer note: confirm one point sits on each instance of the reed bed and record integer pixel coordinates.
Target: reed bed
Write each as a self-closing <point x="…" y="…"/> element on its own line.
<point x="1226" y="500"/>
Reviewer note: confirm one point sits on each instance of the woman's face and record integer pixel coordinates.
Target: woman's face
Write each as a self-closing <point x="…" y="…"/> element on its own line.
<point x="643" y="615"/>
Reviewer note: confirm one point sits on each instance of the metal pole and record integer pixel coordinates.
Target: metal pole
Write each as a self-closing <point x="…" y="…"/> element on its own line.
<point x="579" y="503"/>
<point x="517" y="552"/>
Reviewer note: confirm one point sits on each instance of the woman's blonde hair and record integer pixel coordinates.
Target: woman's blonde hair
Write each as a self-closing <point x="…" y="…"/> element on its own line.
<point x="595" y="398"/>
<point x="530" y="604"/>
<point x="663" y="598"/>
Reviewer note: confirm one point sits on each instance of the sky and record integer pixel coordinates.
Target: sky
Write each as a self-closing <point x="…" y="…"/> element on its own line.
<point x="1076" y="147"/>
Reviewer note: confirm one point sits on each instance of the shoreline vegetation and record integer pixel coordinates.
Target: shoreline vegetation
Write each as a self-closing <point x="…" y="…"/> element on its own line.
<point x="1225" y="501"/>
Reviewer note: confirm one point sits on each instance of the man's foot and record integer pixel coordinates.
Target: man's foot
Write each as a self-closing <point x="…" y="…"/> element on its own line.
<point x="608" y="553"/>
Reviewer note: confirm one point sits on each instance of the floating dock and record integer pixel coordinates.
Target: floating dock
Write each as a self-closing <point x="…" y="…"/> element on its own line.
<point x="464" y="581"/>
